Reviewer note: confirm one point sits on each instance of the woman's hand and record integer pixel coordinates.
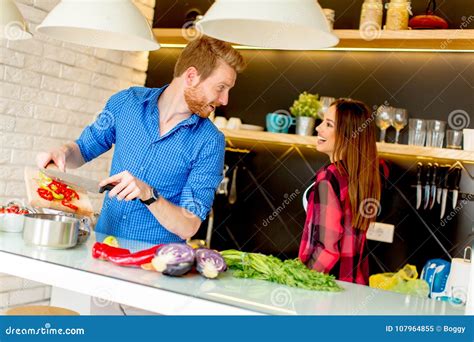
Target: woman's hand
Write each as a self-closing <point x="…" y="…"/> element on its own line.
<point x="127" y="187"/>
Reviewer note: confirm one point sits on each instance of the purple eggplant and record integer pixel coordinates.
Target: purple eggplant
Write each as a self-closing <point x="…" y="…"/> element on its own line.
<point x="209" y="263"/>
<point x="174" y="259"/>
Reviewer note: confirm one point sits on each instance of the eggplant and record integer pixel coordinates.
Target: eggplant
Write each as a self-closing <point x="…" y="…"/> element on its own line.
<point x="209" y="263"/>
<point x="174" y="259"/>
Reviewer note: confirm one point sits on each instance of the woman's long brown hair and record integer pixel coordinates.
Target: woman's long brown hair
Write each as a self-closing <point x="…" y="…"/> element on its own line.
<point x="356" y="147"/>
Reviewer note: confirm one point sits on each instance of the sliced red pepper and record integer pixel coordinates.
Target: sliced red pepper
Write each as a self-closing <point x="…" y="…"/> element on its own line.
<point x="69" y="205"/>
<point x="121" y="258"/>
<point x="45" y="194"/>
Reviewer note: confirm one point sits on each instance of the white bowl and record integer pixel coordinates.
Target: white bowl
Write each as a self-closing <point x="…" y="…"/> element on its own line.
<point x="247" y="127"/>
<point x="11" y="223"/>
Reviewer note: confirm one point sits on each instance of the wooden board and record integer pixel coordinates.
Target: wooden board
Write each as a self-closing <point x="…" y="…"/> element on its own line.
<point x="32" y="181"/>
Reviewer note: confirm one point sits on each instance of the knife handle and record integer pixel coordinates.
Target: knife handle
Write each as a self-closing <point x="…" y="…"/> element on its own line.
<point x="428" y="173"/>
<point x="457" y="178"/>
<point x="435" y="173"/>
<point x="418" y="173"/>
<point x="107" y="187"/>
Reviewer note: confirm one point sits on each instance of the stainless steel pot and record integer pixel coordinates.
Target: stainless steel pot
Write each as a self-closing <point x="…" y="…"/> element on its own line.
<point x="55" y="231"/>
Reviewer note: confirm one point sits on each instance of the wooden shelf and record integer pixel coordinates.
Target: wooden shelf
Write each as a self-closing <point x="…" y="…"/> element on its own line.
<point x="408" y="39"/>
<point x="419" y="152"/>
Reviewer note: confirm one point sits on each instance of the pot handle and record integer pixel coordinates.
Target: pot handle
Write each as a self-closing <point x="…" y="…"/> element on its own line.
<point x="85" y="224"/>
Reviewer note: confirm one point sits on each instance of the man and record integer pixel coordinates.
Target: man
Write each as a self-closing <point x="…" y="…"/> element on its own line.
<point x="167" y="153"/>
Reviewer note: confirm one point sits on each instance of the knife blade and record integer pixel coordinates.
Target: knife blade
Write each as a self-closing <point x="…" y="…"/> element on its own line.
<point x="433" y="185"/>
<point x="76" y="181"/>
<point x="439" y="189"/>
<point x="445" y="193"/>
<point x="418" y="185"/>
<point x="456" y="181"/>
<point x="427" y="186"/>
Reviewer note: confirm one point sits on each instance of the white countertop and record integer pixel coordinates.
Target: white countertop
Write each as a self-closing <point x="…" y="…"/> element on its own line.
<point x="75" y="269"/>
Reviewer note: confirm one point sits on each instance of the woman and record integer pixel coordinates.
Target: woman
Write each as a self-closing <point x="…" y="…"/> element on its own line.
<point x="346" y="194"/>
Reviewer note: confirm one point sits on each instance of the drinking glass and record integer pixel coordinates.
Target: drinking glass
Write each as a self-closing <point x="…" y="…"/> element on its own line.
<point x="453" y="139"/>
<point x="435" y="133"/>
<point x="416" y="132"/>
<point x="383" y="120"/>
<point x="399" y="121"/>
<point x="325" y="103"/>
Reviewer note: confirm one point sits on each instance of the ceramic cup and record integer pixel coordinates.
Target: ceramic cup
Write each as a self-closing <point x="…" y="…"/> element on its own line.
<point x="220" y="122"/>
<point x="234" y="123"/>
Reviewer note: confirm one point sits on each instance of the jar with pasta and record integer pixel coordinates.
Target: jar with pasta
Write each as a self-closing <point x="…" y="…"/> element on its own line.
<point x="398" y="13"/>
<point x="371" y="15"/>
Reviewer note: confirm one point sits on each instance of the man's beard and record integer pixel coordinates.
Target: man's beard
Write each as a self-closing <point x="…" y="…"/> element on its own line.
<point x="197" y="103"/>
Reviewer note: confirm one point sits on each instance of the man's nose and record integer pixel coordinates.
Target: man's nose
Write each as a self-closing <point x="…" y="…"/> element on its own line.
<point x="224" y="99"/>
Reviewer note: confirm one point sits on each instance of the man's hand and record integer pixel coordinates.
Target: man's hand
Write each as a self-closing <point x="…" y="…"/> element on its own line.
<point x="57" y="156"/>
<point x="127" y="187"/>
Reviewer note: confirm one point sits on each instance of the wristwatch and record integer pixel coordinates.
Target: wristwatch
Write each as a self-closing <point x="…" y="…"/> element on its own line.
<point x="154" y="197"/>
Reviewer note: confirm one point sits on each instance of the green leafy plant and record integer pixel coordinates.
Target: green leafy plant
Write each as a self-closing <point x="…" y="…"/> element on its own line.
<point x="306" y="105"/>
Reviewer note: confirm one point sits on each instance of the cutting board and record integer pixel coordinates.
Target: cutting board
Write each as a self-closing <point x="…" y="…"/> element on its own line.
<point x="32" y="181"/>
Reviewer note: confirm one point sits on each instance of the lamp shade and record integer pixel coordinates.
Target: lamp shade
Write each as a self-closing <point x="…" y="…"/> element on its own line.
<point x="109" y="24"/>
<point x="12" y="24"/>
<point x="276" y="24"/>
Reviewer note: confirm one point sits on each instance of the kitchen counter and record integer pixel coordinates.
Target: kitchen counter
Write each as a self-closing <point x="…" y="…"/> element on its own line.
<point x="76" y="270"/>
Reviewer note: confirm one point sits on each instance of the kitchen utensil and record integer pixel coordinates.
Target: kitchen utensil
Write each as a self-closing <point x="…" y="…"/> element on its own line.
<point x="383" y="120"/>
<point x="427" y="185"/>
<point x="458" y="281"/>
<point x="416" y="132"/>
<point x="456" y="181"/>
<point x="77" y="181"/>
<point x="418" y="185"/>
<point x="433" y="185"/>
<point x="32" y="182"/>
<point x="468" y="137"/>
<point x="435" y="133"/>
<point x="453" y="139"/>
<point x="248" y="127"/>
<point x="439" y="184"/>
<point x="233" y="187"/>
<point x="399" y="121"/>
<point x="444" y="196"/>
<point x="435" y="273"/>
<point x="428" y="20"/>
<point x="222" y="188"/>
<point x="55" y="231"/>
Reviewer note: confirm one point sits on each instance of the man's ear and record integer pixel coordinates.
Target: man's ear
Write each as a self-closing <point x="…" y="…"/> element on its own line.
<point x="191" y="77"/>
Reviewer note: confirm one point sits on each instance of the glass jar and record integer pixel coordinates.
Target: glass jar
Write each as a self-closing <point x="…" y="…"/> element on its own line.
<point x="330" y="16"/>
<point x="398" y="13"/>
<point x="371" y="15"/>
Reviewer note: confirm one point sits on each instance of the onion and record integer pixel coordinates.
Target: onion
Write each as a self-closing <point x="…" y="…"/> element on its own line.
<point x="174" y="259"/>
<point x="209" y="263"/>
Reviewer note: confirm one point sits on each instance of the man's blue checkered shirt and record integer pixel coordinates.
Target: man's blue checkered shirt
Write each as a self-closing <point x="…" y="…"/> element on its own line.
<point x="184" y="166"/>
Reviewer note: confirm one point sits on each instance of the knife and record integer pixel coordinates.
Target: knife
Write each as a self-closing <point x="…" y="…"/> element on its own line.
<point x="427" y="186"/>
<point x="457" y="180"/>
<point x="439" y="189"/>
<point x="445" y="193"/>
<point x="76" y="181"/>
<point x="418" y="185"/>
<point x="433" y="185"/>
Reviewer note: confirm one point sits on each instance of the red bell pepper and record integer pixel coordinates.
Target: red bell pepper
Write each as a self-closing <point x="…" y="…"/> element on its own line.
<point x="123" y="257"/>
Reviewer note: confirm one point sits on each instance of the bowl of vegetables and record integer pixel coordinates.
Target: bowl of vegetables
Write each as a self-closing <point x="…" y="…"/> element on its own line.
<point x="12" y="217"/>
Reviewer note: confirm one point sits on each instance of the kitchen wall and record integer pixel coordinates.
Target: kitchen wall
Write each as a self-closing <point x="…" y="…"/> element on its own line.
<point x="429" y="85"/>
<point x="49" y="91"/>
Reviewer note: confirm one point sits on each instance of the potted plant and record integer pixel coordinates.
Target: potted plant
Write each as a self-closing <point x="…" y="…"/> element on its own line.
<point x="305" y="109"/>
